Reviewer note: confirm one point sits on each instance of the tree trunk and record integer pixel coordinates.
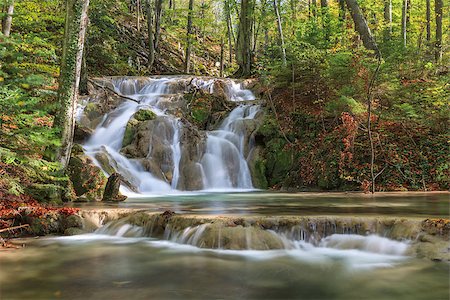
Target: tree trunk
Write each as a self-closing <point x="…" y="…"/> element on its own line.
<point x="404" y="21"/>
<point x="158" y="14"/>
<point x="388" y="18"/>
<point x="74" y="34"/>
<point x="313" y="8"/>
<point x="138" y="15"/>
<point x="341" y="10"/>
<point x="280" y="31"/>
<point x="361" y="26"/>
<point x="428" y="20"/>
<point x="7" y="19"/>
<point x="187" y="60"/>
<point x="438" y="9"/>
<point x="243" y="50"/>
<point x="222" y="47"/>
<point x="323" y="3"/>
<point x="151" y="45"/>
<point x="229" y="30"/>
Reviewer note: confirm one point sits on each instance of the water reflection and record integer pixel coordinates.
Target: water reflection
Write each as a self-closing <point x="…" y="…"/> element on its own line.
<point x="130" y="268"/>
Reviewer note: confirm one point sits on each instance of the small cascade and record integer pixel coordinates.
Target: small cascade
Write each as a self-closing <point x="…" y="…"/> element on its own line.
<point x="173" y="161"/>
<point x="226" y="235"/>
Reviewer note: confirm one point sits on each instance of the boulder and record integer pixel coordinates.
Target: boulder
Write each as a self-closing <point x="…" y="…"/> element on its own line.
<point x="88" y="179"/>
<point x="112" y="187"/>
<point x="257" y="165"/>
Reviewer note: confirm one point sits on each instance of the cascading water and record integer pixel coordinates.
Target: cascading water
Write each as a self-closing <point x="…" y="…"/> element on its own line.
<point x="221" y="164"/>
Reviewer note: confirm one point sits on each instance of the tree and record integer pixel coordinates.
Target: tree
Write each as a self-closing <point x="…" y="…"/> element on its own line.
<point x="150" y="41"/>
<point x="158" y="15"/>
<point x="438" y="9"/>
<point x="76" y="21"/>
<point x="244" y="54"/>
<point x="405" y="21"/>
<point x="388" y="18"/>
<point x="189" y="37"/>
<point x="361" y="26"/>
<point x="280" y="31"/>
<point x="7" y="19"/>
<point x="428" y="21"/>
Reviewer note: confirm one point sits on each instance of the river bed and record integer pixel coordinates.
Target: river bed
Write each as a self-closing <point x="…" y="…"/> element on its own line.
<point x="114" y="265"/>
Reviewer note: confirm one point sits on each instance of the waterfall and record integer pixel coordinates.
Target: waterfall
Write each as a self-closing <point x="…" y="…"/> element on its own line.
<point x="169" y="165"/>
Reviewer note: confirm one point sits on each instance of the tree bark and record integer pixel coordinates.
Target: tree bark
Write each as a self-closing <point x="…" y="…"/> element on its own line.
<point x="428" y="20"/>
<point x="404" y="22"/>
<point x="438" y="9"/>
<point x="342" y="10"/>
<point x="388" y="18"/>
<point x="361" y="26"/>
<point x="243" y="50"/>
<point x="280" y="31"/>
<point x="7" y="19"/>
<point x="76" y="22"/>
<point x="222" y="47"/>
<point x="151" y="45"/>
<point x="189" y="32"/>
<point x="158" y="14"/>
<point x="313" y="8"/>
<point x="229" y="30"/>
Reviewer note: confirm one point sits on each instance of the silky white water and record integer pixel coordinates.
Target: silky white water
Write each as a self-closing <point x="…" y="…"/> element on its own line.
<point x="223" y="164"/>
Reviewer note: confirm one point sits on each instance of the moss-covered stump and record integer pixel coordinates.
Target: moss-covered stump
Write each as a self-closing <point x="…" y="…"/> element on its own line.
<point x="88" y="179"/>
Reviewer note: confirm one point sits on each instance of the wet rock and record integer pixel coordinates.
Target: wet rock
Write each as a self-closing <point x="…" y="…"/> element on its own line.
<point x="257" y="165"/>
<point x="82" y="133"/>
<point x="88" y="179"/>
<point x="74" y="231"/>
<point x="112" y="192"/>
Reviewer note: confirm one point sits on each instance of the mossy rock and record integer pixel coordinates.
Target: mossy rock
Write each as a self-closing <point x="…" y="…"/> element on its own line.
<point x="74" y="231"/>
<point x="257" y="166"/>
<point x="88" y="179"/>
<point x="46" y="193"/>
<point x="144" y="115"/>
<point x="130" y="132"/>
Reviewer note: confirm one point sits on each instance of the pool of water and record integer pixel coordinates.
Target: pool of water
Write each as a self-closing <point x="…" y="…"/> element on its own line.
<point x="106" y="267"/>
<point x="102" y="266"/>
<point x="436" y="205"/>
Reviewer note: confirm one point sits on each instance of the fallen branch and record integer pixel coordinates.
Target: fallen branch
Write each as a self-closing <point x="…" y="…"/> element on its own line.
<point x="14" y="228"/>
<point x="112" y="91"/>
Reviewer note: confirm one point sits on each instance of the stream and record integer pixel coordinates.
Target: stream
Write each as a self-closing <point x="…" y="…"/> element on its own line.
<point x="119" y="260"/>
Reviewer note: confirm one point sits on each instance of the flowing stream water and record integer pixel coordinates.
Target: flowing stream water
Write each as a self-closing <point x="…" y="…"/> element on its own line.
<point x="226" y="245"/>
<point x="223" y="164"/>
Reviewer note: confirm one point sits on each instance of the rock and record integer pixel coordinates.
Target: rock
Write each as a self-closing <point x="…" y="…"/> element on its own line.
<point x="257" y="165"/>
<point x="74" y="231"/>
<point x="112" y="192"/>
<point x="72" y="221"/>
<point x="103" y="160"/>
<point x="82" y="133"/>
<point x="46" y="193"/>
<point x="144" y="115"/>
<point x="88" y="179"/>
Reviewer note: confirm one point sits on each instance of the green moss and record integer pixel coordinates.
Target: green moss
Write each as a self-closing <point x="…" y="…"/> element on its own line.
<point x="144" y="115"/>
<point x="46" y="193"/>
<point x="259" y="175"/>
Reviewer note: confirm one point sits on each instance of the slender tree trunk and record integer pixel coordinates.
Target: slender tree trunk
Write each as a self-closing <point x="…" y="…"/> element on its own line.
<point x="280" y="31"/>
<point x="189" y="37"/>
<point x="158" y="14"/>
<point x="229" y="29"/>
<point x="361" y="26"/>
<point x="438" y="9"/>
<point x="7" y="19"/>
<point x="404" y="22"/>
<point x="151" y="45"/>
<point x="428" y="21"/>
<point x="341" y="10"/>
<point x="243" y="50"/>
<point x="313" y="8"/>
<point x="388" y="18"/>
<point x="138" y="15"/>
<point x="69" y="79"/>
<point x="222" y="48"/>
